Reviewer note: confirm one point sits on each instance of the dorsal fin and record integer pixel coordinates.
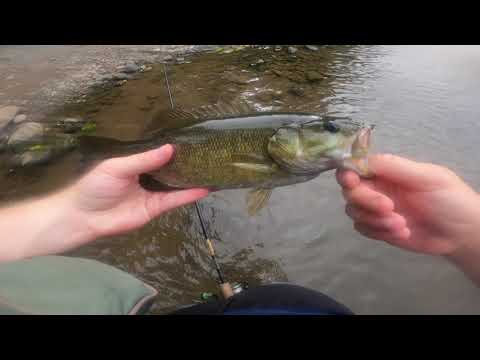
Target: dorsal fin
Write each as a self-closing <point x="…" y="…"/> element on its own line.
<point x="182" y="117"/>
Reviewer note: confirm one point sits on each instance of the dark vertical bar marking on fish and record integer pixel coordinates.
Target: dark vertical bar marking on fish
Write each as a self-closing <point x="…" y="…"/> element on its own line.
<point x="200" y="217"/>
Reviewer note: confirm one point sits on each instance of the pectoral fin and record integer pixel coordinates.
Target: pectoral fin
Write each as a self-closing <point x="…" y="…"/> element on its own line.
<point x="261" y="168"/>
<point x="257" y="199"/>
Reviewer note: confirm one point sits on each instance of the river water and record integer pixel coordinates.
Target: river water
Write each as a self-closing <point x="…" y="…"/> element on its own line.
<point x="424" y="102"/>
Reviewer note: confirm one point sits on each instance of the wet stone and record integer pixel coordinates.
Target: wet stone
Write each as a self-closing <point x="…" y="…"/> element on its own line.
<point x="26" y="132"/>
<point x="277" y="72"/>
<point x="103" y="78"/>
<point x="120" y="83"/>
<point x="31" y="158"/>
<point x="269" y="96"/>
<point x="239" y="79"/>
<point x="42" y="153"/>
<point x="130" y="68"/>
<point x="314" y="76"/>
<point x="121" y="76"/>
<point x="20" y="118"/>
<point x="297" y="91"/>
<point x="71" y="125"/>
<point x="292" y="50"/>
<point x="7" y="114"/>
<point x="312" y="47"/>
<point x="258" y="62"/>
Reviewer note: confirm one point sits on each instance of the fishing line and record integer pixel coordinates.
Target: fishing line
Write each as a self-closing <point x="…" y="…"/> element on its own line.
<point x="225" y="286"/>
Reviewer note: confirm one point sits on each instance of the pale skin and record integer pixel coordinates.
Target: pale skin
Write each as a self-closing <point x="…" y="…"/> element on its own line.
<point x="415" y="206"/>
<point x="106" y="201"/>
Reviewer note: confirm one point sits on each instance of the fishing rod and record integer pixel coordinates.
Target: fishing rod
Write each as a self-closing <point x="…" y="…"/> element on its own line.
<point x="225" y="287"/>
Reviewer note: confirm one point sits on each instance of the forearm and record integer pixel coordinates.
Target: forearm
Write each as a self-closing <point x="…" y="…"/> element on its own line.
<point x="42" y="226"/>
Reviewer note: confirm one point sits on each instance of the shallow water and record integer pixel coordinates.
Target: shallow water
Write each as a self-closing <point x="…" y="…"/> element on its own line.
<point x="423" y="100"/>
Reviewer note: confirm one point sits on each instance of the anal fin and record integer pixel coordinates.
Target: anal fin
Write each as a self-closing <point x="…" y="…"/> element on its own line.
<point x="257" y="199"/>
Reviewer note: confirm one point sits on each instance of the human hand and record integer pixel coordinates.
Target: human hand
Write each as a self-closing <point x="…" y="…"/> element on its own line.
<point x="110" y="201"/>
<point x="416" y="206"/>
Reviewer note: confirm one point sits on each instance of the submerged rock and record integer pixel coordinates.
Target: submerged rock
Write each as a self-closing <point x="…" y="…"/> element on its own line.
<point x="7" y="114"/>
<point x="269" y="96"/>
<point x="239" y="79"/>
<point x="43" y="152"/>
<point x="258" y="62"/>
<point x="130" y="68"/>
<point x="121" y="76"/>
<point x="26" y="132"/>
<point x="297" y="91"/>
<point x="277" y="72"/>
<point x="119" y="83"/>
<point x="20" y="118"/>
<point x="292" y="50"/>
<point x="71" y="125"/>
<point x="312" y="47"/>
<point x="30" y="158"/>
<point x="314" y="76"/>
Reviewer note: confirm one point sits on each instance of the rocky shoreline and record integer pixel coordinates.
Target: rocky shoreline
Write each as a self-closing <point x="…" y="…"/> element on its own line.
<point x="64" y="75"/>
<point x="41" y="78"/>
<point x="38" y="79"/>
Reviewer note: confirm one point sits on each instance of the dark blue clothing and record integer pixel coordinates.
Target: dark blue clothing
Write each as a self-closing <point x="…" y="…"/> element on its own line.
<point x="272" y="299"/>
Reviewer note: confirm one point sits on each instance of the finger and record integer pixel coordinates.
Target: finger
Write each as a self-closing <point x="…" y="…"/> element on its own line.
<point x="405" y="172"/>
<point x="393" y="222"/>
<point x="347" y="178"/>
<point x="158" y="203"/>
<point x="396" y="238"/>
<point x="137" y="164"/>
<point x="368" y="199"/>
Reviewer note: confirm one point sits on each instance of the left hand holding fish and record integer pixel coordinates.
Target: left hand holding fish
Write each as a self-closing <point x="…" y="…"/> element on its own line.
<point x="108" y="200"/>
<point x="112" y="201"/>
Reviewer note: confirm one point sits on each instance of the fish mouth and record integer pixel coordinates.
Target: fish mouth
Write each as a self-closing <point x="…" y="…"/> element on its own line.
<point x="361" y="143"/>
<point x="358" y="159"/>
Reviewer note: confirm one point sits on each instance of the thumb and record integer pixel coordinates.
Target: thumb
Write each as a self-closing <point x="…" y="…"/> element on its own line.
<point x="137" y="164"/>
<point x="406" y="172"/>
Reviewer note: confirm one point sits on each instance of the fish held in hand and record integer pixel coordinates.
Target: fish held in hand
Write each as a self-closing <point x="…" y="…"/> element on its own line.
<point x="236" y="150"/>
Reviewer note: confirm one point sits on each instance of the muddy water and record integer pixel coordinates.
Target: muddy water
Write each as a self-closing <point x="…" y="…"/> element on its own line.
<point x="424" y="103"/>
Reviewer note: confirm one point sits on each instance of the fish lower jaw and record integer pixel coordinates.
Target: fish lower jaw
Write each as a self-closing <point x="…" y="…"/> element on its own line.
<point x="358" y="165"/>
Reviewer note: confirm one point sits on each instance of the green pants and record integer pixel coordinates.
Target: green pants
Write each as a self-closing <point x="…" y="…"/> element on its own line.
<point x="61" y="285"/>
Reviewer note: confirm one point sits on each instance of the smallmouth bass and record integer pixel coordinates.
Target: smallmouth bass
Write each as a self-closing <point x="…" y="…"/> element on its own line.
<point x="261" y="151"/>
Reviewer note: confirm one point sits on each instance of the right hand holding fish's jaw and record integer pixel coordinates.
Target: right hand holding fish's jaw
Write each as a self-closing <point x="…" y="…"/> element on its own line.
<point x="416" y="206"/>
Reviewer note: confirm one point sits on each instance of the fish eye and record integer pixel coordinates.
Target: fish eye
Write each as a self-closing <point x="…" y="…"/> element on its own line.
<point x="331" y="127"/>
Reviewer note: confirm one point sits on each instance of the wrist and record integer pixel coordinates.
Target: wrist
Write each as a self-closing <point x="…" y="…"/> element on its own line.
<point x="63" y="227"/>
<point x="467" y="255"/>
<point x="74" y="220"/>
<point x="42" y="226"/>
